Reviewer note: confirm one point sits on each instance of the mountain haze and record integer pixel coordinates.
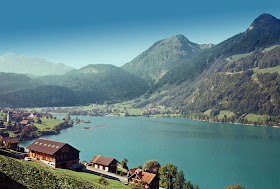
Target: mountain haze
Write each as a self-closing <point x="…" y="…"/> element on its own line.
<point x="99" y="82"/>
<point x="12" y="63"/>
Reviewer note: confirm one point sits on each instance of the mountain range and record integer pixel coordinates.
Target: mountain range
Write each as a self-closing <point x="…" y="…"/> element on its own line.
<point x="37" y="66"/>
<point x="238" y="75"/>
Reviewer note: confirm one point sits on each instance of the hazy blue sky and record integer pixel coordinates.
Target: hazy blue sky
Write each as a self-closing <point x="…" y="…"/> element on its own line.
<point x="78" y="33"/>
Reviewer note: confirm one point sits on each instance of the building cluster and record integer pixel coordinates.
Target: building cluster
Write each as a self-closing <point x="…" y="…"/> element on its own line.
<point x="63" y="155"/>
<point x="24" y="118"/>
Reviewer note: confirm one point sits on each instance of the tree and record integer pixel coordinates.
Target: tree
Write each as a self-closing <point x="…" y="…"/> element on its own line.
<point x="179" y="180"/>
<point x="151" y="166"/>
<point x="188" y="185"/>
<point x="167" y="175"/>
<point x="238" y="186"/>
<point x="103" y="181"/>
<point x="124" y="163"/>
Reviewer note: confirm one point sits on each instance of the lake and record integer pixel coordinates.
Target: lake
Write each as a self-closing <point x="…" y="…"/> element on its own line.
<point x="212" y="155"/>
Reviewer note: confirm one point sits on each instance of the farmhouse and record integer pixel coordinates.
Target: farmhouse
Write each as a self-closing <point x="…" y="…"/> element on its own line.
<point x="57" y="154"/>
<point x="138" y="175"/>
<point x="105" y="163"/>
<point x="11" y="143"/>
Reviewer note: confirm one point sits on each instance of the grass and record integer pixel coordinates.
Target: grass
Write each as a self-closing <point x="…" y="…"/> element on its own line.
<point x="225" y="112"/>
<point x="265" y="70"/>
<point x="26" y="169"/>
<point x="237" y="56"/>
<point x="47" y="123"/>
<point x="94" y="178"/>
<point x="255" y="117"/>
<point x="270" y="48"/>
<point x="208" y="112"/>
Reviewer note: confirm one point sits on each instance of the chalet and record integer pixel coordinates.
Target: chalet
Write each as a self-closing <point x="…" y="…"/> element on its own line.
<point x="25" y="122"/>
<point x="11" y="143"/>
<point x="57" y="154"/>
<point x="150" y="180"/>
<point x="105" y="163"/>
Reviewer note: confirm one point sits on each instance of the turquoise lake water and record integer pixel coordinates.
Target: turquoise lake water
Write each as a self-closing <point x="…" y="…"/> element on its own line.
<point x="212" y="155"/>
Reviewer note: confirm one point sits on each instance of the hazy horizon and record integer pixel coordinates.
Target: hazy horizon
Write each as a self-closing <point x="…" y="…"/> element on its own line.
<point x="109" y="32"/>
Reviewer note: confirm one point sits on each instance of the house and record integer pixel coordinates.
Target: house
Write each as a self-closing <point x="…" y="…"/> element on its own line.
<point x="57" y="154"/>
<point x="25" y="122"/>
<point x="11" y="143"/>
<point x="150" y="180"/>
<point x="105" y="163"/>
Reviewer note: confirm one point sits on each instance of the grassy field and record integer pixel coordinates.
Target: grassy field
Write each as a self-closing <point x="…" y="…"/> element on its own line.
<point x="48" y="123"/>
<point x="94" y="178"/>
<point x="31" y="174"/>
<point x="225" y="112"/>
<point x="208" y="112"/>
<point x="236" y="57"/>
<point x="265" y="70"/>
<point x="255" y="117"/>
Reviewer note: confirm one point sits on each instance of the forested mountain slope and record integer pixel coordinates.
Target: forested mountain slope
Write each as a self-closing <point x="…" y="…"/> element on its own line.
<point x="152" y="64"/>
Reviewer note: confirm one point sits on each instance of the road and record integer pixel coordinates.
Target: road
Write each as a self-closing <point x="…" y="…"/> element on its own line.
<point x="106" y="174"/>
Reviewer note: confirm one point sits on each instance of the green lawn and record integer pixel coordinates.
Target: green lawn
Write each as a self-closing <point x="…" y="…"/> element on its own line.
<point x="236" y="57"/>
<point x="208" y="112"/>
<point x="255" y="117"/>
<point x="48" y="123"/>
<point x="270" y="48"/>
<point x="225" y="112"/>
<point x="265" y="70"/>
<point x="94" y="178"/>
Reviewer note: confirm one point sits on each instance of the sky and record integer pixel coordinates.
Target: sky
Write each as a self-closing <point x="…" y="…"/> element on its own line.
<point x="78" y="33"/>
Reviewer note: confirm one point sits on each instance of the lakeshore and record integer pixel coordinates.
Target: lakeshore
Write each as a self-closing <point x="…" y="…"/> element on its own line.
<point x="231" y="153"/>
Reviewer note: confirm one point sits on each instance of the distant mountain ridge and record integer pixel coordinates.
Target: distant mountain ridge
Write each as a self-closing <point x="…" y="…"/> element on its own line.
<point x="11" y="63"/>
<point x="152" y="64"/>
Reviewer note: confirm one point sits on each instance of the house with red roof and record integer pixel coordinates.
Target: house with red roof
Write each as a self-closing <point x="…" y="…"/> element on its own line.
<point x="105" y="163"/>
<point x="150" y="180"/>
<point x="57" y="154"/>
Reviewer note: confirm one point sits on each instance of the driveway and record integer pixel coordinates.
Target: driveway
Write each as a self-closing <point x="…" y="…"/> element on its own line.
<point x="106" y="174"/>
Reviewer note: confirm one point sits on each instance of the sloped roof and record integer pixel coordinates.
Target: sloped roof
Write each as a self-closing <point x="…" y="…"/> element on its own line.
<point x="46" y="146"/>
<point x="25" y="122"/>
<point x="11" y="140"/>
<point x="102" y="160"/>
<point x="148" y="177"/>
<point x="144" y="176"/>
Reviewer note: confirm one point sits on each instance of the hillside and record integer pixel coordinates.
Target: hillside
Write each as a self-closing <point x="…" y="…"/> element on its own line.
<point x="100" y="82"/>
<point x="20" y="174"/>
<point x="44" y="95"/>
<point x="152" y="64"/>
<point x="225" y="80"/>
<point x="263" y="32"/>
<point x="12" y="63"/>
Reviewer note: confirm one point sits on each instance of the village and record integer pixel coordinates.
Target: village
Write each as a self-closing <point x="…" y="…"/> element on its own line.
<point x="61" y="155"/>
<point x="119" y="109"/>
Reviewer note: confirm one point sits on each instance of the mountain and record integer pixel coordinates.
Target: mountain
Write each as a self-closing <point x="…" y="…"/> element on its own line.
<point x="19" y="90"/>
<point x="152" y="64"/>
<point x="40" y="96"/>
<point x="12" y="63"/>
<point x="263" y="32"/>
<point x="101" y="82"/>
<point x="239" y="76"/>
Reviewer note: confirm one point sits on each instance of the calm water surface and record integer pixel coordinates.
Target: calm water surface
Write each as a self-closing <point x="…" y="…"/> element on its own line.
<point x="212" y="155"/>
